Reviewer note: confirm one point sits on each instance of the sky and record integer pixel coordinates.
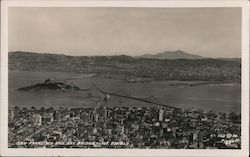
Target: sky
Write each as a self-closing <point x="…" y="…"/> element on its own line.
<point x="209" y="32"/>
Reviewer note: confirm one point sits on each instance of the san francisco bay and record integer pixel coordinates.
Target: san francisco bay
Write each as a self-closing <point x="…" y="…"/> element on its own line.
<point x="207" y="96"/>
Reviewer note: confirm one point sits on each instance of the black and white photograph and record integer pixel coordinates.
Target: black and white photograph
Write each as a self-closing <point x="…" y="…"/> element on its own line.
<point x="125" y="78"/>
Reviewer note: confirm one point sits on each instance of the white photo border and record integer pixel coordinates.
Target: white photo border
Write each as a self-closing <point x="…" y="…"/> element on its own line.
<point x="5" y="151"/>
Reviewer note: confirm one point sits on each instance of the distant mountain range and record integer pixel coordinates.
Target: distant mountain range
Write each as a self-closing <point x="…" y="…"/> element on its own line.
<point x="126" y="67"/>
<point x="172" y="55"/>
<point x="178" y="54"/>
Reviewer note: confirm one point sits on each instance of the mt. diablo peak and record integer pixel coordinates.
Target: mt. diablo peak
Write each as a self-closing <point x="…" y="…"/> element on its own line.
<point x="178" y="54"/>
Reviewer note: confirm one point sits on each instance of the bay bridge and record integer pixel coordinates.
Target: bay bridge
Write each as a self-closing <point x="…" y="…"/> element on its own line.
<point x="123" y="94"/>
<point x="151" y="100"/>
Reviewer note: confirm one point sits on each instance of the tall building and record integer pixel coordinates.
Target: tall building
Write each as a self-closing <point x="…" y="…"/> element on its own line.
<point x="84" y="115"/>
<point x="56" y="115"/>
<point x="195" y="139"/>
<point x="102" y="111"/>
<point x="105" y="114"/>
<point x="12" y="114"/>
<point x="161" y="113"/>
<point x="96" y="117"/>
<point x="95" y="130"/>
<point x="195" y="136"/>
<point x="37" y="119"/>
<point x="48" y="117"/>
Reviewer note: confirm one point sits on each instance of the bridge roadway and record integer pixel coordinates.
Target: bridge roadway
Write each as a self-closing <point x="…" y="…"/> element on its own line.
<point x="155" y="103"/>
<point x="129" y="97"/>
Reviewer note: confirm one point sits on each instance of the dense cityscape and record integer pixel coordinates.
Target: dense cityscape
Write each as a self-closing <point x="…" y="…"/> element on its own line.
<point x="123" y="127"/>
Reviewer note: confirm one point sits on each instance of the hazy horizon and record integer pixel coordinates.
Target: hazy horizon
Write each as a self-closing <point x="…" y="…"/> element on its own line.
<point x="114" y="54"/>
<point x="207" y="32"/>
